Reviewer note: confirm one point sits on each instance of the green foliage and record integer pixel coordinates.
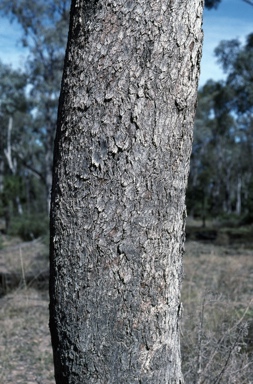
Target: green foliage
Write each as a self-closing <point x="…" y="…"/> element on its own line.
<point x="209" y="4"/>
<point x="222" y="156"/>
<point x="30" y="227"/>
<point x="31" y="100"/>
<point x="222" y="148"/>
<point x="12" y="186"/>
<point x="13" y="103"/>
<point x="226" y="52"/>
<point x="237" y="61"/>
<point x="12" y="90"/>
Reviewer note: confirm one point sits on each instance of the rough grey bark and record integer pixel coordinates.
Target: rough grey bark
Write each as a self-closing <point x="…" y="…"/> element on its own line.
<point x="118" y="201"/>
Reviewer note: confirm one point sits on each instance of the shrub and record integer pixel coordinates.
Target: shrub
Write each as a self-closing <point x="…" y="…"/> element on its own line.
<point x="30" y="227"/>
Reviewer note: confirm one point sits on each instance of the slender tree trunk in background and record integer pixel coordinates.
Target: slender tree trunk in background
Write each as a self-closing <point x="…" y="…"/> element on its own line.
<point x="239" y="196"/>
<point x="121" y="163"/>
<point x="12" y="162"/>
<point x="1" y="175"/>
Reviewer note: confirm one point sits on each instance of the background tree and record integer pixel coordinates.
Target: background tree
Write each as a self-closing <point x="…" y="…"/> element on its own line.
<point x="238" y="65"/>
<point x="13" y="113"/>
<point x="118" y="205"/>
<point x="221" y="172"/>
<point x="45" y="26"/>
<point x="22" y="194"/>
<point x="209" y="4"/>
<point x="40" y="20"/>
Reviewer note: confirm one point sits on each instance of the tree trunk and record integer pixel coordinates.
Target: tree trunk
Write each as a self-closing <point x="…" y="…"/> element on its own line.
<point x="239" y="196"/>
<point x="12" y="163"/>
<point x="48" y="177"/>
<point x="121" y="163"/>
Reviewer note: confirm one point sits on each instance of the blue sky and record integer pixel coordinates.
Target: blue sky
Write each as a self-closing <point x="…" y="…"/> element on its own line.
<point x="11" y="50"/>
<point x="233" y="19"/>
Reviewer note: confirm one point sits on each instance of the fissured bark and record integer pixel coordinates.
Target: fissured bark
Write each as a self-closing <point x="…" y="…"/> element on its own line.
<point x="121" y="163"/>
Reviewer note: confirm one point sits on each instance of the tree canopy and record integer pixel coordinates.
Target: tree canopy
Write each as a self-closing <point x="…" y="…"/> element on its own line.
<point x="45" y="28"/>
<point x="221" y="177"/>
<point x="209" y="4"/>
<point x="30" y="98"/>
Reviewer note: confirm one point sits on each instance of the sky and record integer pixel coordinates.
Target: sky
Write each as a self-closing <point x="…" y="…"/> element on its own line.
<point x="232" y="19"/>
<point x="11" y="50"/>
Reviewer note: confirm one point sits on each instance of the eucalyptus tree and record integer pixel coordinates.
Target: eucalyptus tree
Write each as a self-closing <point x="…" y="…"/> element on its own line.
<point x="237" y="61"/>
<point x="217" y="160"/>
<point x="221" y="163"/>
<point x="45" y="26"/>
<point x="201" y="170"/>
<point x="121" y="163"/>
<point x="14" y="112"/>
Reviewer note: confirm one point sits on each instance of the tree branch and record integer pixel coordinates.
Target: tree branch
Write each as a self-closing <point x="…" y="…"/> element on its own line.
<point x="32" y="169"/>
<point x="250" y="2"/>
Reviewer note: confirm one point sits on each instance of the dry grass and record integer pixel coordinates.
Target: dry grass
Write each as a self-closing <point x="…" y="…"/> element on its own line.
<point x="217" y="293"/>
<point x="18" y="258"/>
<point x="217" y="324"/>
<point x="223" y="270"/>
<point x="25" y="349"/>
<point x="25" y="346"/>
